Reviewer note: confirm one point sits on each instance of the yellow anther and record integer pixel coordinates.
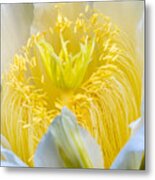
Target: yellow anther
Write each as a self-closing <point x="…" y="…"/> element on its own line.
<point x="93" y="18"/>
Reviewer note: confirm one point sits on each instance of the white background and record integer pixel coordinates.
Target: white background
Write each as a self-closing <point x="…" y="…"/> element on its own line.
<point x="42" y="174"/>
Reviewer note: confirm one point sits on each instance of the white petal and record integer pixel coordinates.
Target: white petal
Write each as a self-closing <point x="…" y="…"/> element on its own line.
<point x="11" y="160"/>
<point x="4" y="142"/>
<point x="92" y="148"/>
<point x="15" y="20"/>
<point x="46" y="154"/>
<point x="131" y="155"/>
<point x="135" y="126"/>
<point x="66" y="144"/>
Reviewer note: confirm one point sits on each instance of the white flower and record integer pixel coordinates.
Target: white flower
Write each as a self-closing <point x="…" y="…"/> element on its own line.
<point x="67" y="144"/>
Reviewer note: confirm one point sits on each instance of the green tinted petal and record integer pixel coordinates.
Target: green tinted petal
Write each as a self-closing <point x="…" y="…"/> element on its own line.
<point x="66" y="144"/>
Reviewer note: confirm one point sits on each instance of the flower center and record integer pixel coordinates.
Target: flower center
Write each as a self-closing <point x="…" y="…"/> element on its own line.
<point x="66" y="71"/>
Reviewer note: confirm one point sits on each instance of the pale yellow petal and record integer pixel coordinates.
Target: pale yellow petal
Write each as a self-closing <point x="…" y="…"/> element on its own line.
<point x="125" y="14"/>
<point x="15" y="22"/>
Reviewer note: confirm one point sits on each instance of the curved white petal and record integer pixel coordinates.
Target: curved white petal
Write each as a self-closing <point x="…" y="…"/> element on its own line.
<point x="15" y="29"/>
<point x="11" y="160"/>
<point x="92" y="148"/>
<point x="4" y="142"/>
<point x="135" y="126"/>
<point x="131" y="155"/>
<point x="66" y="144"/>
